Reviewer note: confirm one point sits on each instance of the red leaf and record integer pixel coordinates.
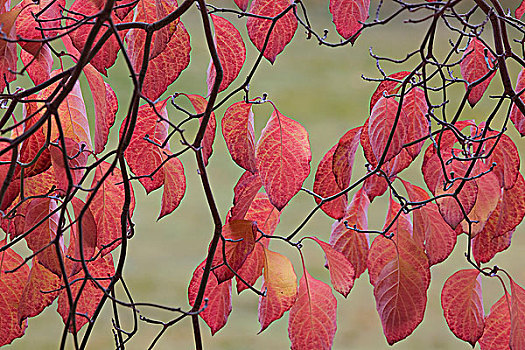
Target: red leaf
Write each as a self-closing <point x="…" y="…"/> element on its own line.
<point x="85" y="229"/>
<point x="264" y="213"/>
<point x="107" y="206"/>
<point x="344" y="155"/>
<point x="199" y="103"/>
<point x="106" y="106"/>
<point x="517" y="316"/>
<point x="512" y="207"/>
<point x="489" y="194"/>
<point x="39" y="66"/>
<point x="375" y="186"/>
<point x="10" y="286"/>
<point x="462" y="304"/>
<point x="240" y="241"/>
<point x="8" y="56"/>
<point x="342" y="273"/>
<point x="497" y="326"/>
<point x="167" y="59"/>
<point x="380" y="125"/>
<point x="231" y="52"/>
<point x="107" y="55"/>
<point x="40" y="238"/>
<point x="283" y="158"/>
<point x="325" y="185"/>
<point x="242" y="4"/>
<point x="267" y="217"/>
<point x="415" y="107"/>
<point x="90" y="295"/>
<point x="434" y="178"/>
<point x="388" y="86"/>
<point x="77" y="157"/>
<point x="33" y="145"/>
<point x="280" y="283"/>
<point x="238" y="132"/>
<point x="348" y="15"/>
<point x="505" y="155"/>
<point x="49" y="14"/>
<point x="399" y="272"/>
<point x="219" y="298"/>
<point x="245" y="191"/>
<point x="353" y="244"/>
<point x="174" y="186"/>
<point x="430" y="230"/>
<point x="515" y="114"/>
<point x="474" y="66"/>
<point x="125" y="6"/>
<point x="39" y="292"/>
<point x="282" y="33"/>
<point x="144" y="157"/>
<point x="520" y="10"/>
<point x="489" y="241"/>
<point x="312" y="324"/>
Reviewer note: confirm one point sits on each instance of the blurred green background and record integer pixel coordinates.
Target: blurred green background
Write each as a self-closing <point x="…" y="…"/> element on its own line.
<point x="322" y="88"/>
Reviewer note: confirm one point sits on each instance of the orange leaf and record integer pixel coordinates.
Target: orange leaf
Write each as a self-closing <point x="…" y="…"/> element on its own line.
<point x="240" y="241"/>
<point x="280" y="283"/>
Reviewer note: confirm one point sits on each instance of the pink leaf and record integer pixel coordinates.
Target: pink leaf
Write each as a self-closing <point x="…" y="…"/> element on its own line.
<point x="462" y="304"/>
<point x="238" y="132"/>
<point x="476" y="63"/>
<point x="219" y="298"/>
<point x="348" y="16"/>
<point x="282" y="33"/>
<point x="283" y="158"/>
<point x="242" y="4"/>
<point x="280" y="283"/>
<point x="342" y="273"/>
<point x="312" y="324"/>
<point x="231" y="52"/>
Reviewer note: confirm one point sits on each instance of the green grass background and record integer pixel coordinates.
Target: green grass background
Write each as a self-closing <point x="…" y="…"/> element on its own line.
<point x="322" y="88"/>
